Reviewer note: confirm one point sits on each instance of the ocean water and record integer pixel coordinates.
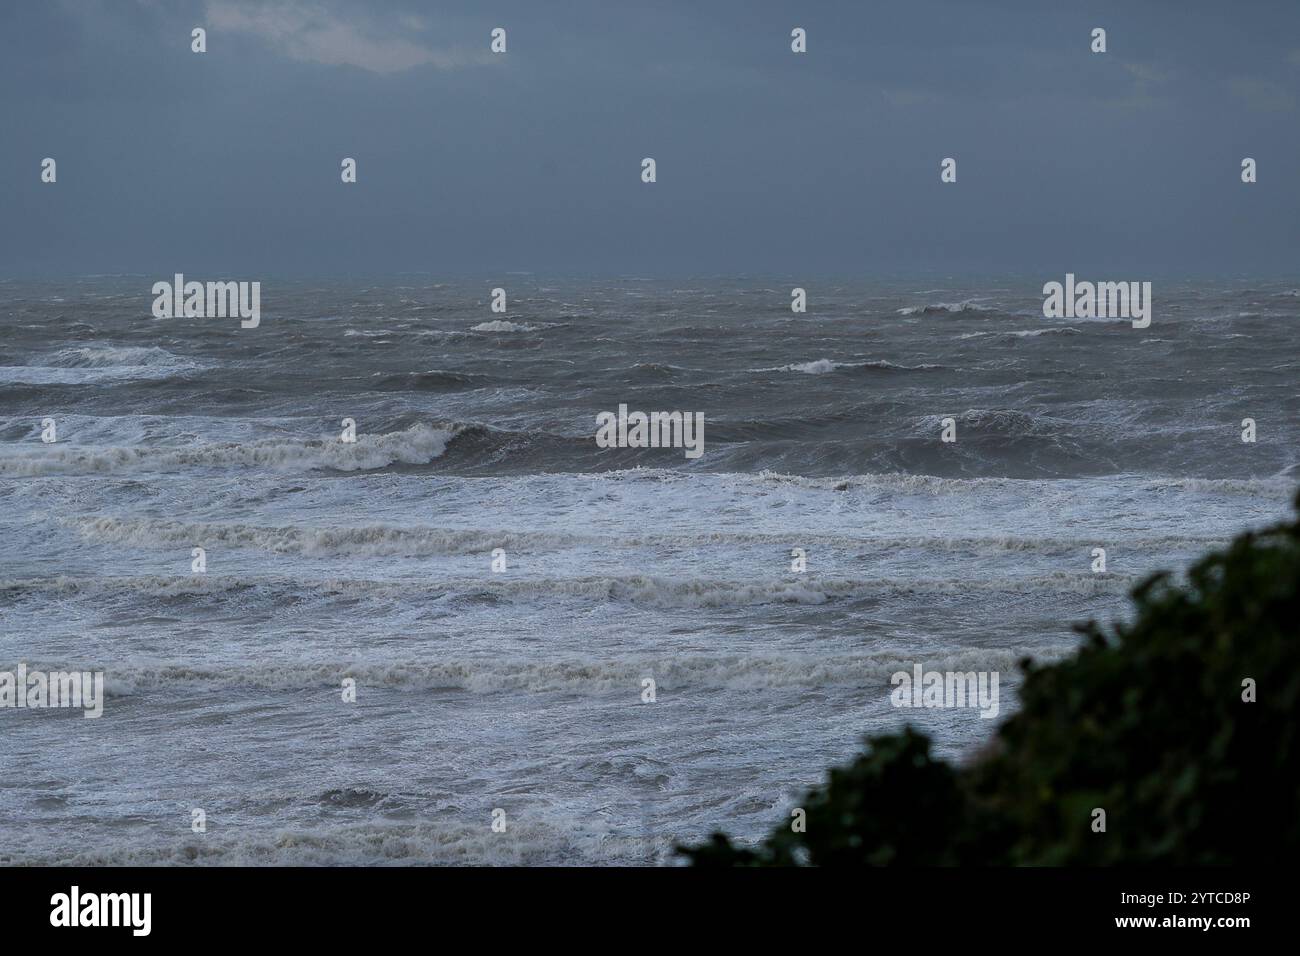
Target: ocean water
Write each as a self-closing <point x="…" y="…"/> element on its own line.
<point x="521" y="690"/>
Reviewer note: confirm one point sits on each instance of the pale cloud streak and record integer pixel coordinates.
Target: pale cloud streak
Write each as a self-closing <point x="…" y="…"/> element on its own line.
<point x="1263" y="95"/>
<point x="313" y="32"/>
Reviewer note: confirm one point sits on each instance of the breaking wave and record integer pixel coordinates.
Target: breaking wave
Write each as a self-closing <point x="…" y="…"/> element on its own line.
<point x="389" y="540"/>
<point x="93" y="364"/>
<point x="946" y="308"/>
<point x="106" y="356"/>
<point x="416" y="445"/>
<point x="367" y="540"/>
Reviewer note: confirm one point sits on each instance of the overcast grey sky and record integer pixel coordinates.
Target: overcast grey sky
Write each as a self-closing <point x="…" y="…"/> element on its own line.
<point x="825" y="163"/>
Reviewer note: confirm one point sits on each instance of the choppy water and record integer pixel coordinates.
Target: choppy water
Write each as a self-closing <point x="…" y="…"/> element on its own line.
<point x="521" y="690"/>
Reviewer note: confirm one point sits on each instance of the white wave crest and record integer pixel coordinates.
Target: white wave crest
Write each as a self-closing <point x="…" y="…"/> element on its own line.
<point x="104" y="356"/>
<point x="416" y="445"/>
<point x="1265" y="487"/>
<point x="93" y="364"/>
<point x="945" y="308"/>
<point x="501" y="325"/>
<point x="823" y="366"/>
<point x="1023" y="333"/>
<point x="388" y="540"/>
<point x="366" y="540"/>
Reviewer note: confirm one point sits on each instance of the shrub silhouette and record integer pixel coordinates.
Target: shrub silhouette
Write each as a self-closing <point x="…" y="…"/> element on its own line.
<point x="1146" y="722"/>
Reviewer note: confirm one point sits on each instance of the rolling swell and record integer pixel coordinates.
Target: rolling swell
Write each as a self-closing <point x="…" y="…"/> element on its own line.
<point x="755" y="670"/>
<point x="375" y="561"/>
<point x="635" y="589"/>
<point x="433" y="380"/>
<point x="416" y="445"/>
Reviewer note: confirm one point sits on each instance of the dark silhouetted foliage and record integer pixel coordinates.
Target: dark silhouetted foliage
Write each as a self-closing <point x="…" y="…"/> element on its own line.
<point x="1147" y="722"/>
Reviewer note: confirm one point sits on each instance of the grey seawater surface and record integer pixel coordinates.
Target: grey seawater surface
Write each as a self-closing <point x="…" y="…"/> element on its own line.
<point x="521" y="690"/>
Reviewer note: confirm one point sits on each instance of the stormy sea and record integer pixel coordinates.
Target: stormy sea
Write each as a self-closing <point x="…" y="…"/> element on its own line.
<point x="605" y="651"/>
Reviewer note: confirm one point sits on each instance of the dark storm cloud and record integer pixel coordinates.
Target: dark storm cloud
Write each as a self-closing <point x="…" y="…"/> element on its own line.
<point x="228" y="162"/>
